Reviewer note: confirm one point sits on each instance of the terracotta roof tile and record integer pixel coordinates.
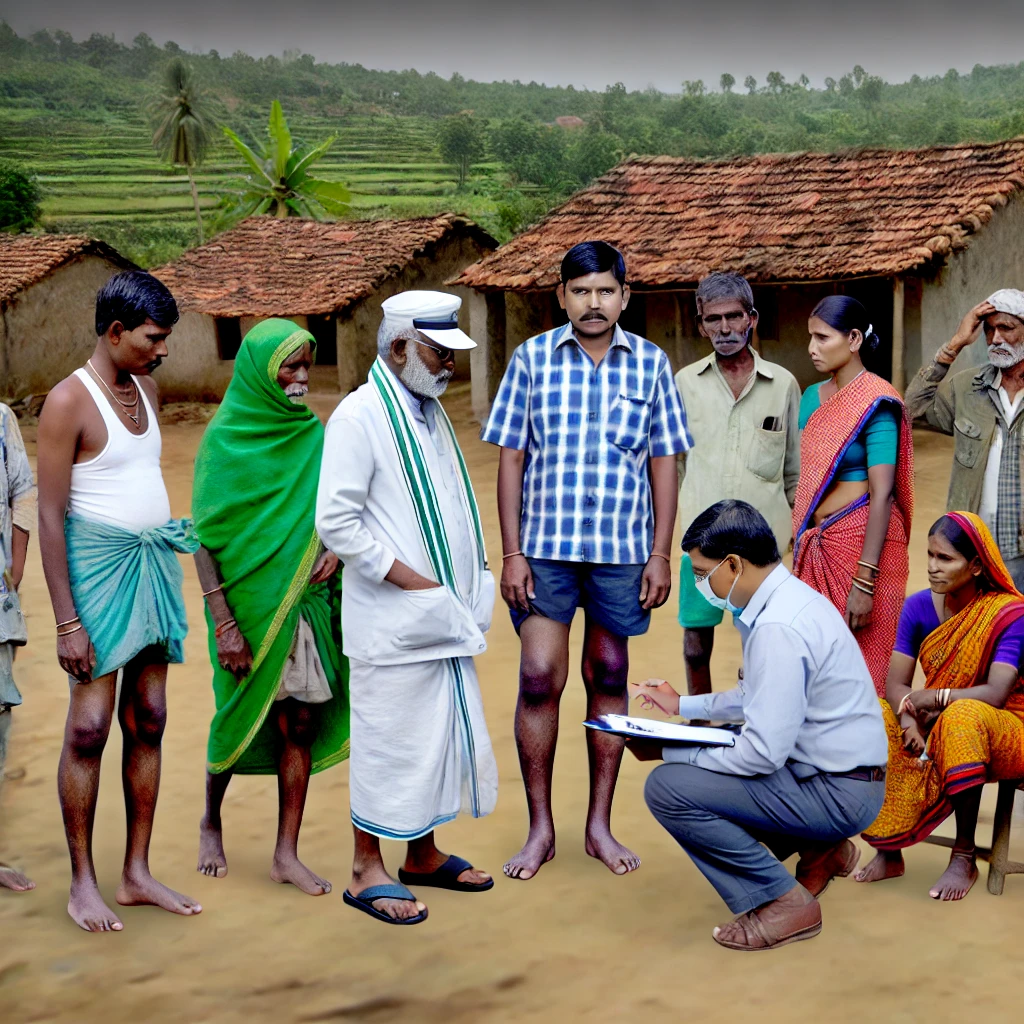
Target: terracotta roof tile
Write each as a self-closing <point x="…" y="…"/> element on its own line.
<point x="777" y="217"/>
<point x="267" y="266"/>
<point x="27" y="259"/>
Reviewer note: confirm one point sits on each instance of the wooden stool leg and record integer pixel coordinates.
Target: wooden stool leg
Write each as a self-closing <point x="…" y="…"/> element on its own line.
<point x="1001" y="838"/>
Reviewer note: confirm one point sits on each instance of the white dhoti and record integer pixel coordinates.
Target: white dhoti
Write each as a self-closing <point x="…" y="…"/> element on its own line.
<point x="420" y="752"/>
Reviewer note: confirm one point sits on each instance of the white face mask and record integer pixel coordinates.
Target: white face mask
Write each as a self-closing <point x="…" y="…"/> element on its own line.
<point x="704" y="589"/>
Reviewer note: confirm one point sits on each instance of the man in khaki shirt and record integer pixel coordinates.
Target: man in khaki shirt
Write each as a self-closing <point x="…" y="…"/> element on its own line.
<point x="743" y="413"/>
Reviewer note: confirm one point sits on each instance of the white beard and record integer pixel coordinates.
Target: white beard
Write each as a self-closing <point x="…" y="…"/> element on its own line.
<point x="1004" y="356"/>
<point x="418" y="379"/>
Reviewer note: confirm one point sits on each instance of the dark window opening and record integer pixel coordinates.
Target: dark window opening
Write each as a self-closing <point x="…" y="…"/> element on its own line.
<point x="229" y="336"/>
<point x="324" y="331"/>
<point x="766" y="302"/>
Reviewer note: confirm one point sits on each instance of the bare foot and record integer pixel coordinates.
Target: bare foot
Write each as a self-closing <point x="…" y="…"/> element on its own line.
<point x="89" y="911"/>
<point x="212" y="861"/>
<point x="400" y="910"/>
<point x="470" y="876"/>
<point x="885" y="864"/>
<point x="291" y="869"/>
<point x="538" y="850"/>
<point x="12" y="878"/>
<point x="606" y="848"/>
<point x="144" y="890"/>
<point x="958" y="879"/>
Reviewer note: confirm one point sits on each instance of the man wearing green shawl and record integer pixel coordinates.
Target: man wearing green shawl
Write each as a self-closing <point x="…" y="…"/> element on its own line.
<point x="279" y="677"/>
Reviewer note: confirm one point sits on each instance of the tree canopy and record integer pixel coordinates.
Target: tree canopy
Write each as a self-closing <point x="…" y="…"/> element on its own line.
<point x="19" y="198"/>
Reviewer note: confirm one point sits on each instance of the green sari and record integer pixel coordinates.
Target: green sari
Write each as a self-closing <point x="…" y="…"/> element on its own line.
<point x="253" y="506"/>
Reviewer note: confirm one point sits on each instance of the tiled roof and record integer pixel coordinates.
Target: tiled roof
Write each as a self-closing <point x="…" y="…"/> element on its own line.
<point x="267" y="266"/>
<point x="26" y="259"/>
<point x="788" y="217"/>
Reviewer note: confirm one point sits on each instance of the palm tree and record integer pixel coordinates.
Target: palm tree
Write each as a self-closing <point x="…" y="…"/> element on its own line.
<point x="181" y="113"/>
<point x="279" y="182"/>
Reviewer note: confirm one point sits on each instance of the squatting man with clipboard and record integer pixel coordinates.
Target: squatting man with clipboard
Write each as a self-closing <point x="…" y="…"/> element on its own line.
<point x="806" y="771"/>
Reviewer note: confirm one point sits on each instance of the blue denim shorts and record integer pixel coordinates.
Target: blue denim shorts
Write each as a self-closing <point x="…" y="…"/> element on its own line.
<point x="609" y="594"/>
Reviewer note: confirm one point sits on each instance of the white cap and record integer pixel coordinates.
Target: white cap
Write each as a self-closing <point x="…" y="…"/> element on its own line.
<point x="1008" y="300"/>
<point x="435" y="314"/>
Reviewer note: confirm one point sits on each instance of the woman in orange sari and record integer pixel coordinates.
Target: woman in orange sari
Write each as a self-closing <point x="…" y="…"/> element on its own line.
<point x="855" y="497"/>
<point x="966" y="727"/>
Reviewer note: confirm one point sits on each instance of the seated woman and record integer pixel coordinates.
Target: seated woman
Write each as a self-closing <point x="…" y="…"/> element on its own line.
<point x="966" y="727"/>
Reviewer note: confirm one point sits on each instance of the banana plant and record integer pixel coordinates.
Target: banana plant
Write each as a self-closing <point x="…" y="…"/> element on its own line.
<point x="277" y="178"/>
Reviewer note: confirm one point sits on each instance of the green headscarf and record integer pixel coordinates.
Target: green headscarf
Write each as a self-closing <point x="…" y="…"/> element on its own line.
<point x="253" y="506"/>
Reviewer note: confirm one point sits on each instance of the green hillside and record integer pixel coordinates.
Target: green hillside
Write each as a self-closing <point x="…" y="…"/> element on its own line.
<point x="71" y="115"/>
<point x="100" y="176"/>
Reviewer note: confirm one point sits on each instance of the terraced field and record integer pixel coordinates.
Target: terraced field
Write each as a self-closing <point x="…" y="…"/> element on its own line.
<point x="100" y="175"/>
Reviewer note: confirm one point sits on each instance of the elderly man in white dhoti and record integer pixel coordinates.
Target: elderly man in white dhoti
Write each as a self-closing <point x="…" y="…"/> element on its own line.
<point x="396" y="505"/>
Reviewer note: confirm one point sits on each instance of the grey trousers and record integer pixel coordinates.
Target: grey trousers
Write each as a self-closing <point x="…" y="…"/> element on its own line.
<point x="721" y="821"/>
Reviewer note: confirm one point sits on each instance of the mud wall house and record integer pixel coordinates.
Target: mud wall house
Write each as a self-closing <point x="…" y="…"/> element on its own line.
<point x="328" y="277"/>
<point x="919" y="236"/>
<point x="48" y="286"/>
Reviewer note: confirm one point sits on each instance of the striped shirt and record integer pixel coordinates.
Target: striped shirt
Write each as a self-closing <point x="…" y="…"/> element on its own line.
<point x="588" y="432"/>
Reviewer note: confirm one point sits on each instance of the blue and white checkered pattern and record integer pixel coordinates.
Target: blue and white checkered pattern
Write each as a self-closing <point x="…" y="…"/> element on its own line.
<point x="588" y="432"/>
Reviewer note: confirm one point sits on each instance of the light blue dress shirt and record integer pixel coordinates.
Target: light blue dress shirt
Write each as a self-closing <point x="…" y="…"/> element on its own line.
<point x="805" y="696"/>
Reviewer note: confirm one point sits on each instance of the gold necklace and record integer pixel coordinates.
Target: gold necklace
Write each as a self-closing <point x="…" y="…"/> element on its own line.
<point x="135" y="417"/>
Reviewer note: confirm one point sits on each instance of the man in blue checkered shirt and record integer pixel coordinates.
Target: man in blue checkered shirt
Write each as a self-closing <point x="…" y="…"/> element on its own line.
<point x="589" y="422"/>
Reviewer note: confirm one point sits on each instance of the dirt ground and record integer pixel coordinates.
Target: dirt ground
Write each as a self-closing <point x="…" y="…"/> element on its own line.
<point x="575" y="943"/>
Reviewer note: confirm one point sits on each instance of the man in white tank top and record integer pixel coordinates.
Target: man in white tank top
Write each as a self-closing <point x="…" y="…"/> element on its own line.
<point x="108" y="544"/>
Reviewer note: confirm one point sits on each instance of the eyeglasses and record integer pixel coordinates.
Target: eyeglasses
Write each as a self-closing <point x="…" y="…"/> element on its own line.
<point x="700" y="577"/>
<point x="715" y="319"/>
<point x="446" y="355"/>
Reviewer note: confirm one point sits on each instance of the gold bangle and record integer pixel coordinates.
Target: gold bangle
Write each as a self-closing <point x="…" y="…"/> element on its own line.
<point x="74" y="629"/>
<point x="867" y="565"/>
<point x="511" y="554"/>
<point x="68" y="623"/>
<point x="207" y="593"/>
<point x="658" y="554"/>
<point x="870" y="591"/>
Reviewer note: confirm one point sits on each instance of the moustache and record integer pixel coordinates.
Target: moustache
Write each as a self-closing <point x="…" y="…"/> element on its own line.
<point x="594" y="316"/>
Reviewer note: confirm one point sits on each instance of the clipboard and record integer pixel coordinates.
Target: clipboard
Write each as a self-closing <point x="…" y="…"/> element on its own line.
<point x="666" y="732"/>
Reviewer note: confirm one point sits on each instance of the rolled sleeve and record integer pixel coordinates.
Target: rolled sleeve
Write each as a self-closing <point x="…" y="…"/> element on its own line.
<point x="669" y="434"/>
<point x="345" y="474"/>
<point x="776" y="670"/>
<point x="508" y="423"/>
<point x="930" y="395"/>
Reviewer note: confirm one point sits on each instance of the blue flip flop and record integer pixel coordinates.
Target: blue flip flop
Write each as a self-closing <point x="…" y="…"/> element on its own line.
<point x="364" y="902"/>
<point x="446" y="877"/>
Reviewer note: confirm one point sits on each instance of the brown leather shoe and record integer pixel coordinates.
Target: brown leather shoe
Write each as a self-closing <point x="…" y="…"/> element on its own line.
<point x="790" y="918"/>
<point x="816" y="869"/>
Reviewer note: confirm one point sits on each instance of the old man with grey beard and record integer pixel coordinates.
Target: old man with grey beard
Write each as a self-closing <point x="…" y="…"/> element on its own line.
<point x="395" y="504"/>
<point x="743" y="413"/>
<point x="982" y="409"/>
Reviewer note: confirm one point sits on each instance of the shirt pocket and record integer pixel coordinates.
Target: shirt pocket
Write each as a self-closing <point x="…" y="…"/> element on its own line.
<point x="767" y="454"/>
<point x="629" y="421"/>
<point x="967" y="442"/>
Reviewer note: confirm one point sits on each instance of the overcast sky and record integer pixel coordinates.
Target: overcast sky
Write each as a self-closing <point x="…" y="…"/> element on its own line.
<point x="558" y="42"/>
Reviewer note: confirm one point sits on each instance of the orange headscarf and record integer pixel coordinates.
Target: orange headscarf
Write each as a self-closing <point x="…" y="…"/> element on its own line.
<point x="958" y="653"/>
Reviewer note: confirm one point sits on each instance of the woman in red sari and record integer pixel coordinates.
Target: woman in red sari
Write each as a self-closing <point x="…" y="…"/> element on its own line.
<point x="855" y="497"/>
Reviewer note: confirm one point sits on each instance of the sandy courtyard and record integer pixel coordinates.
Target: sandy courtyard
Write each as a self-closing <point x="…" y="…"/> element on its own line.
<point x="575" y="943"/>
